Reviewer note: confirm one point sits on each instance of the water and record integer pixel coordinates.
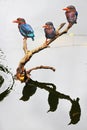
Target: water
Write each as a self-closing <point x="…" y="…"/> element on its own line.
<point x="69" y="78"/>
<point x="6" y="78"/>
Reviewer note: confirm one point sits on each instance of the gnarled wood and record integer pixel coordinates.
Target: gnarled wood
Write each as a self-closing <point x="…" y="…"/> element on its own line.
<point x="30" y="53"/>
<point x="41" y="67"/>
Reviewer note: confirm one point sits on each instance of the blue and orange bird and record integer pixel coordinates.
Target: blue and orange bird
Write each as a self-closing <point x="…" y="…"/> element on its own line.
<point x="71" y="15"/>
<point x="25" y="29"/>
<point x="50" y="31"/>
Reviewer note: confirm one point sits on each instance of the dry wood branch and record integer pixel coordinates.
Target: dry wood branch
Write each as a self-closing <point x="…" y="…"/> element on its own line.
<point x="26" y="58"/>
<point x="29" y="53"/>
<point x="41" y="67"/>
<point x="25" y="45"/>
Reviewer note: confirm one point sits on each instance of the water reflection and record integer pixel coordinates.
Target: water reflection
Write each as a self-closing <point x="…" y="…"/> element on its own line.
<point x="6" y="79"/>
<point x="75" y="111"/>
<point x="53" y="101"/>
<point x="1" y="80"/>
<point x="30" y="88"/>
<point x="53" y="98"/>
<point x="28" y="91"/>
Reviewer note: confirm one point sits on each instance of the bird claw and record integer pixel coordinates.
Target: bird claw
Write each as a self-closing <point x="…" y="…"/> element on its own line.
<point x="27" y="51"/>
<point x="25" y="38"/>
<point x="46" y="43"/>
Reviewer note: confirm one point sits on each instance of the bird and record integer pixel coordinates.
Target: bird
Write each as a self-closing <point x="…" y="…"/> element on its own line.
<point x="25" y="29"/>
<point x="71" y="15"/>
<point x="50" y="31"/>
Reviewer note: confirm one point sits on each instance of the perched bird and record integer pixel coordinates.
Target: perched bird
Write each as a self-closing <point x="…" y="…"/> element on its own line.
<point x="24" y="28"/>
<point x="71" y="15"/>
<point x="50" y="31"/>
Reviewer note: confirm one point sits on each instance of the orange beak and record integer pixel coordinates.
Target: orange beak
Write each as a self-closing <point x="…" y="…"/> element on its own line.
<point x="66" y="9"/>
<point x="45" y="26"/>
<point x="15" y="21"/>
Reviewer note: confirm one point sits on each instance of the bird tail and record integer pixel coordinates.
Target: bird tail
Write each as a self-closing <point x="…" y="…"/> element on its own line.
<point x="32" y="38"/>
<point x="31" y="35"/>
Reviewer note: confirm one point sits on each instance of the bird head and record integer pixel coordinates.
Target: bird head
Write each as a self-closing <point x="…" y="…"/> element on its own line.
<point x="19" y="21"/>
<point x="69" y="8"/>
<point x="48" y="25"/>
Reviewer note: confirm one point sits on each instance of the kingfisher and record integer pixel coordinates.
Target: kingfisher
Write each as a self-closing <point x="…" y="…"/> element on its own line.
<point x="50" y="31"/>
<point x="71" y="15"/>
<point x="25" y="29"/>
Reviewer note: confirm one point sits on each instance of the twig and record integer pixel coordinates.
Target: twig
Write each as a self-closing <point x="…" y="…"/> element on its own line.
<point x="41" y="67"/>
<point x="29" y="53"/>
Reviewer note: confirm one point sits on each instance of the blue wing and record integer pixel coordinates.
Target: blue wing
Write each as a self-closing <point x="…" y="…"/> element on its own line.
<point x="76" y="14"/>
<point x="26" y="30"/>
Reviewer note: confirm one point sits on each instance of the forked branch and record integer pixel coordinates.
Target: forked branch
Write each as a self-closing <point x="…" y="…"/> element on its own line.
<point x="29" y="53"/>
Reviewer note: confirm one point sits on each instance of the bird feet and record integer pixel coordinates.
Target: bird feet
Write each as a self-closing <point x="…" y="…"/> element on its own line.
<point x="27" y="52"/>
<point x="47" y="43"/>
<point x="25" y="38"/>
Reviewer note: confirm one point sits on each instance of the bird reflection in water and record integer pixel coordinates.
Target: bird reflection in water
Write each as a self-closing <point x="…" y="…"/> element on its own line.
<point x="53" y="98"/>
<point x="30" y="88"/>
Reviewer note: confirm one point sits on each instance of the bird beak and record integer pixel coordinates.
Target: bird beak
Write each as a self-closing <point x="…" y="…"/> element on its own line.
<point x="15" y="21"/>
<point x="45" y="26"/>
<point x="66" y="9"/>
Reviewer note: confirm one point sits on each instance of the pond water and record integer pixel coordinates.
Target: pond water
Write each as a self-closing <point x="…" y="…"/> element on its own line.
<point x="70" y="79"/>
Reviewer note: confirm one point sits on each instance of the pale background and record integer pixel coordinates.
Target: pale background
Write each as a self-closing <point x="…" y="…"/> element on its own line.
<point x="68" y="55"/>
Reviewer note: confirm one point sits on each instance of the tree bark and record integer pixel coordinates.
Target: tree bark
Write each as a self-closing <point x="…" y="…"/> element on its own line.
<point x="30" y="53"/>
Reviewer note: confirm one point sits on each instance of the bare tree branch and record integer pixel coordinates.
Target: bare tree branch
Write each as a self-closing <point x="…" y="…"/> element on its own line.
<point x="41" y="67"/>
<point x="29" y="53"/>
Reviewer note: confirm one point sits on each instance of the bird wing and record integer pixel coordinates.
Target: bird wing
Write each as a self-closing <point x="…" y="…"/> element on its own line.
<point x="26" y="31"/>
<point x="26" y="28"/>
<point x="76" y="14"/>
